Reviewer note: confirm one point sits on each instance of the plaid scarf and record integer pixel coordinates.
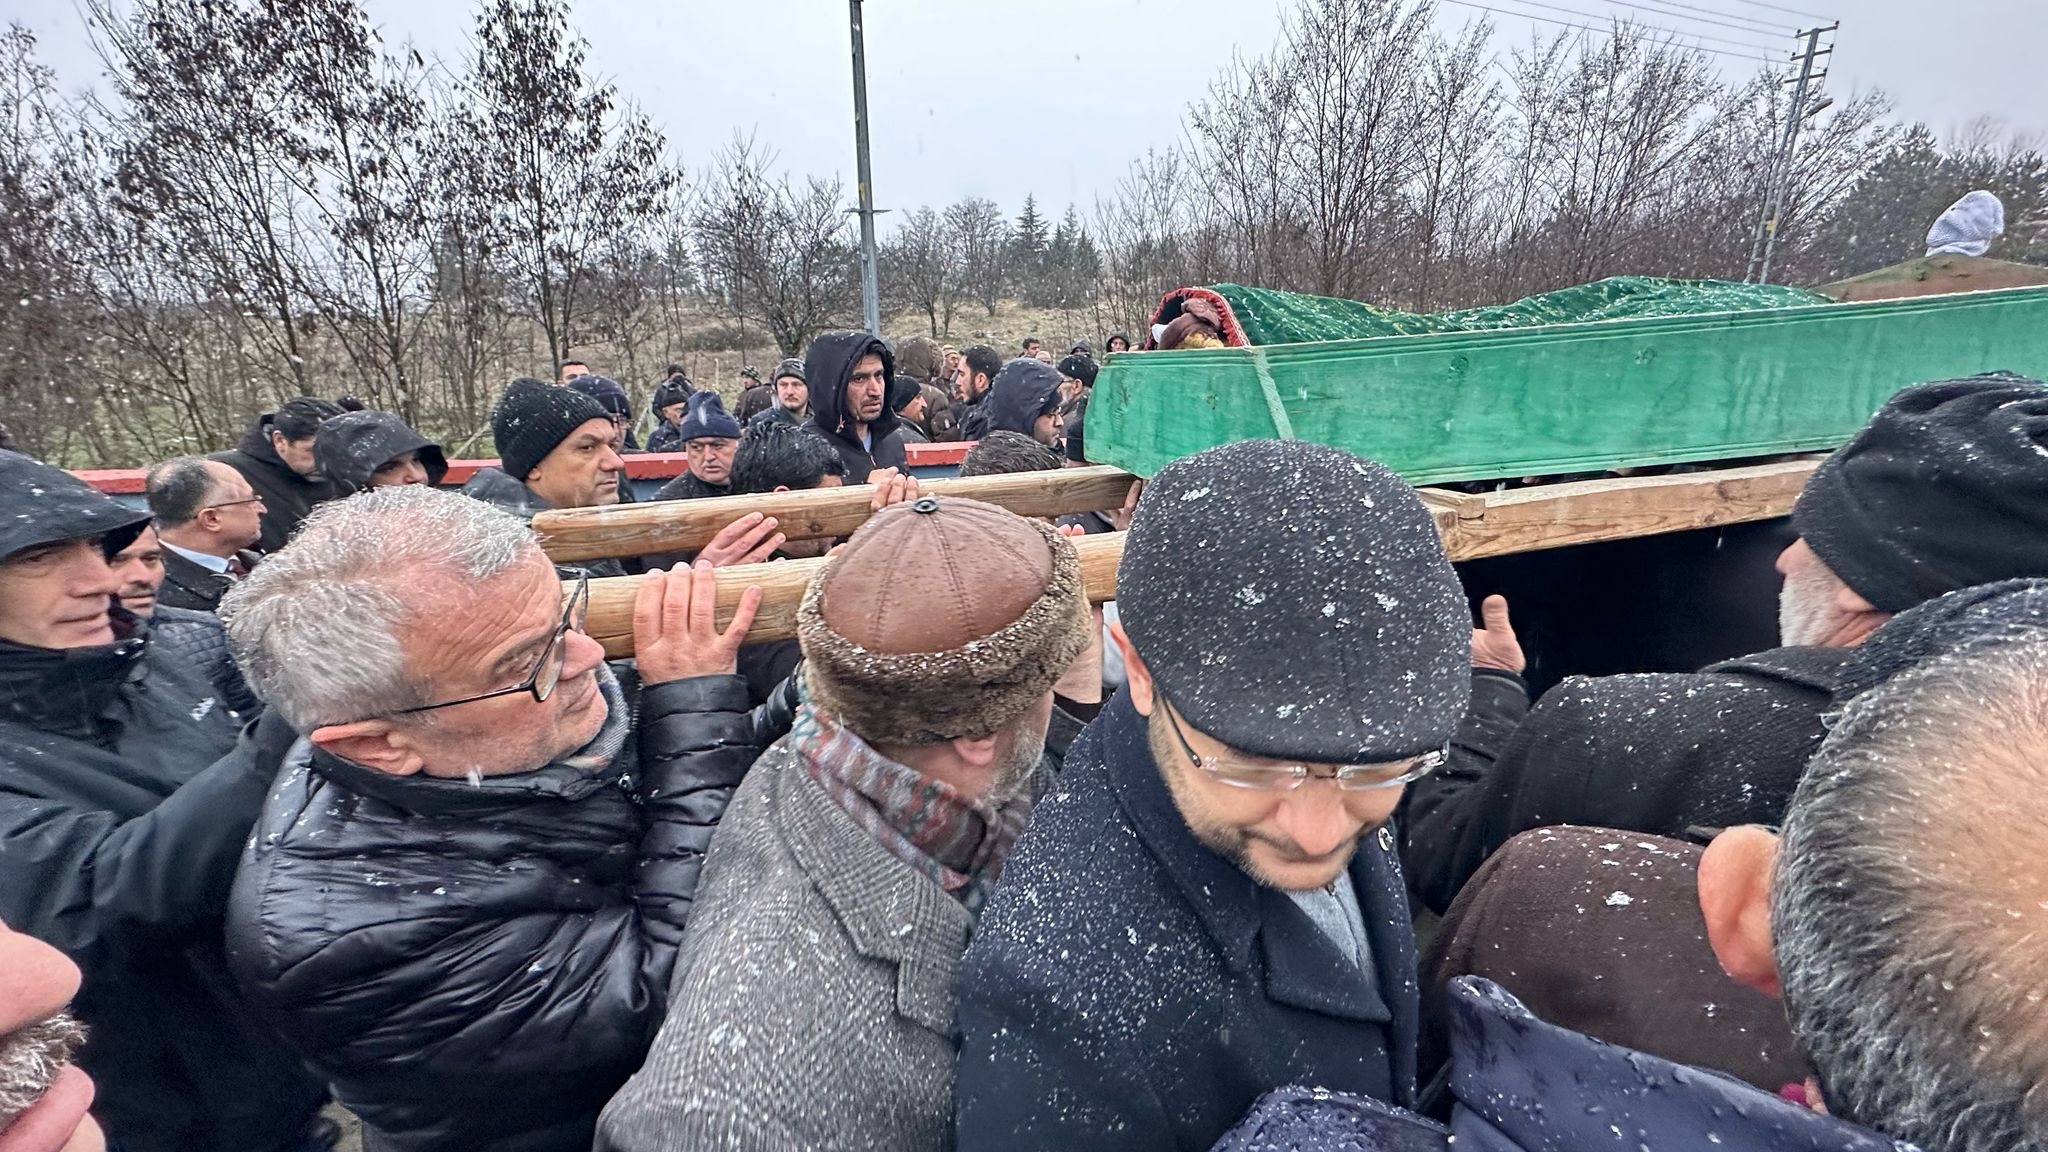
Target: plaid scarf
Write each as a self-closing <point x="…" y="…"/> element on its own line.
<point x="958" y="842"/>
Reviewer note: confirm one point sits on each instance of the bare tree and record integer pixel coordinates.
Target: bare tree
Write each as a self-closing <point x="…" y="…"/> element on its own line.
<point x="980" y="242"/>
<point x="921" y="270"/>
<point x="564" y="165"/>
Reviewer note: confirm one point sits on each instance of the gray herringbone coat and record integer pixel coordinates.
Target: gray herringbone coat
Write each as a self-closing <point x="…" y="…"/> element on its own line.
<point x="812" y="1002"/>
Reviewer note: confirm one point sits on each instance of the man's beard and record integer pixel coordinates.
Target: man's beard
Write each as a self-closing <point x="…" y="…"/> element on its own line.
<point x="1021" y="752"/>
<point x="1227" y="840"/>
<point x="30" y="1059"/>
<point x="1805" y="608"/>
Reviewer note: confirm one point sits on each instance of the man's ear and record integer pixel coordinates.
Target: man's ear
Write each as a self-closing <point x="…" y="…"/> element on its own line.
<point x="979" y="752"/>
<point x="1137" y="677"/>
<point x="1735" y="898"/>
<point x="376" y="744"/>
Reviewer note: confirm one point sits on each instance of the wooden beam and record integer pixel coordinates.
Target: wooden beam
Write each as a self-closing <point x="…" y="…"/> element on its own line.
<point x="782" y="586"/>
<point x="1589" y="511"/>
<point x="1523" y="520"/>
<point x="687" y="525"/>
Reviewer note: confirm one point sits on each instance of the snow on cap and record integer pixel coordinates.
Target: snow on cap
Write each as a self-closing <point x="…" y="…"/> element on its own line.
<point x="1293" y="601"/>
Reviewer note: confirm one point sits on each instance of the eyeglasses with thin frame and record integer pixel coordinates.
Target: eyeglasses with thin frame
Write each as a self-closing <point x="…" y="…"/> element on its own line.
<point x="1288" y="777"/>
<point x="547" y="671"/>
<point x="232" y="504"/>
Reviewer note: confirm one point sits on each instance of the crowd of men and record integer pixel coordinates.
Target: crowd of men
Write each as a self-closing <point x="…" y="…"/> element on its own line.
<point x="315" y="791"/>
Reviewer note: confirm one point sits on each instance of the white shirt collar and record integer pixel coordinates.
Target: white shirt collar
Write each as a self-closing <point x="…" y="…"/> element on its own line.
<point x="205" y="560"/>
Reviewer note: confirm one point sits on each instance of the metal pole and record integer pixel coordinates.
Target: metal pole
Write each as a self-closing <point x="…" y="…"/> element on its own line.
<point x="1767" y="226"/>
<point x="871" y="299"/>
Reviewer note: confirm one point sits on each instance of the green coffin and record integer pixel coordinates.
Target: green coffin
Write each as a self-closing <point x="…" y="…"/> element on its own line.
<point x="1567" y="397"/>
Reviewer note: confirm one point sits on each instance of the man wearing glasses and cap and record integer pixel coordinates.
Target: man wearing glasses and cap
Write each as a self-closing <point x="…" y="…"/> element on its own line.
<point x="1210" y="904"/>
<point x="463" y="898"/>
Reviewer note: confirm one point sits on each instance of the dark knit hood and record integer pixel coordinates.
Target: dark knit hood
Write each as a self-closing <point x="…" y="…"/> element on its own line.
<point x="828" y="366"/>
<point x="1022" y="392"/>
<point x="352" y="446"/>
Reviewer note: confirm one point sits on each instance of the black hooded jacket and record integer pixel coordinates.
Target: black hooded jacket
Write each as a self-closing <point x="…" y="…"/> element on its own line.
<point x="481" y="966"/>
<point x="287" y="496"/>
<point x="829" y="367"/>
<point x="1020" y="393"/>
<point x="351" y="447"/>
<point x="124" y="803"/>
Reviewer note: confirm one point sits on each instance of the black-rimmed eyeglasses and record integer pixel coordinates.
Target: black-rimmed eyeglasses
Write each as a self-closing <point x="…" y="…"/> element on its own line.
<point x="1287" y="777"/>
<point x="547" y="671"/>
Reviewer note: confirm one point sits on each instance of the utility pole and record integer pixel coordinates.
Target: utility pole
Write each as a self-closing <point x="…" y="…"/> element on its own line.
<point x="871" y="300"/>
<point x="1765" y="241"/>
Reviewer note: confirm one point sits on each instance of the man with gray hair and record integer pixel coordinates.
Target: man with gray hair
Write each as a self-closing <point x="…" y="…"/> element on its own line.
<point x="465" y="892"/>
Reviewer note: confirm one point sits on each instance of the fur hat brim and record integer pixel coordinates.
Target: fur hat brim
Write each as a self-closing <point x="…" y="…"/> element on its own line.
<point x="970" y="692"/>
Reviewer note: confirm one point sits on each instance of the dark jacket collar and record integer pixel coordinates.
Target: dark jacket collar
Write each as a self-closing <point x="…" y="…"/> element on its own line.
<point x="72" y="691"/>
<point x="1302" y="967"/>
<point x="443" y="796"/>
<point x="1541" y="1086"/>
<point x="1803" y="667"/>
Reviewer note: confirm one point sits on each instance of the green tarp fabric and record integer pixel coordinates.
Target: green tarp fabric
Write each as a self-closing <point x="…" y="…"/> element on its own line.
<point x="1271" y="317"/>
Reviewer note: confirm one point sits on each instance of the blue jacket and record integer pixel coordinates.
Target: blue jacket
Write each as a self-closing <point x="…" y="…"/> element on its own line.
<point x="1521" y="1085"/>
<point x="1128" y="988"/>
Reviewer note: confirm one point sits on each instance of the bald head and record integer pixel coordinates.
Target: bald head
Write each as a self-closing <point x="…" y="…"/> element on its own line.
<point x="1910" y="903"/>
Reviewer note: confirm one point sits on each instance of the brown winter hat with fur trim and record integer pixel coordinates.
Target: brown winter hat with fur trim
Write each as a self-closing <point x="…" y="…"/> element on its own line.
<point x="943" y="618"/>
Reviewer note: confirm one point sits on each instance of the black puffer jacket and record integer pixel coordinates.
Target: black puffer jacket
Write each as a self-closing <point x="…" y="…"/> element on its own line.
<point x="482" y="966"/>
<point x="197" y="641"/>
<point x="828" y="365"/>
<point x="287" y="496"/>
<point x="124" y="803"/>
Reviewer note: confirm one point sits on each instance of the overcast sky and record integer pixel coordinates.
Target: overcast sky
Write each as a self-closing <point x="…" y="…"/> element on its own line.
<point x="1055" y="97"/>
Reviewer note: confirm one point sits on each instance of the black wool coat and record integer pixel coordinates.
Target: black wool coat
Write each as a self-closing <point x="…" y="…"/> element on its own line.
<point x="125" y="801"/>
<point x="480" y="966"/>
<point x="1657" y="752"/>
<point x="1128" y="988"/>
<point x="287" y="496"/>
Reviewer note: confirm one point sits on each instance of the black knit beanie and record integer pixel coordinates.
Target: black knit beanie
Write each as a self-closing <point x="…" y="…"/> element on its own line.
<point x="532" y="417"/>
<point x="1293" y="601"/>
<point x="706" y="417"/>
<point x="1946" y="487"/>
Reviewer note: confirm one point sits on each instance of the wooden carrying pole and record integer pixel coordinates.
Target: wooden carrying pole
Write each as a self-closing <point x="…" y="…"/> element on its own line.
<point x="1494" y="524"/>
<point x="782" y="586"/>
<point x="687" y="525"/>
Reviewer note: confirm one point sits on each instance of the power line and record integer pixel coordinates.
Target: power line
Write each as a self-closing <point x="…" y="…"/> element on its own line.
<point x="1749" y="23"/>
<point x="1609" y="29"/>
<point x="1673" y="31"/>
<point x="1661" y="5"/>
<point x="1787" y="11"/>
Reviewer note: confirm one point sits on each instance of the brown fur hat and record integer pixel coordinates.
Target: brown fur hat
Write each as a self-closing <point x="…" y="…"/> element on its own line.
<point x="943" y="618"/>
